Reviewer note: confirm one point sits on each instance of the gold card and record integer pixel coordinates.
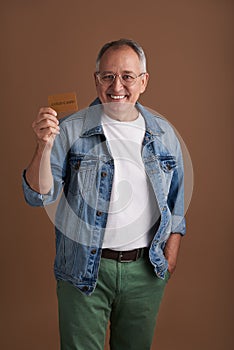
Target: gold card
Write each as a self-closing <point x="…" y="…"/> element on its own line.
<point x="63" y="102"/>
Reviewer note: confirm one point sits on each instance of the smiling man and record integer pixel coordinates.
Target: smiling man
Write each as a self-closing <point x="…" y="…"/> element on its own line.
<point x="121" y="77"/>
<point x="120" y="216"/>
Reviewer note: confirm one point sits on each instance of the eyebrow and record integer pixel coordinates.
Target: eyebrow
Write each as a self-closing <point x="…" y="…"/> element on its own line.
<point x="125" y="71"/>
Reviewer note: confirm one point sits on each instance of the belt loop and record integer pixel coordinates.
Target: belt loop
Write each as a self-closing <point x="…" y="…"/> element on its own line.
<point x="138" y="254"/>
<point x="120" y="256"/>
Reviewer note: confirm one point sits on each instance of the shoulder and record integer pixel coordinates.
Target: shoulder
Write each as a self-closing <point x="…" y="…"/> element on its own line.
<point x="77" y="118"/>
<point x="155" y="120"/>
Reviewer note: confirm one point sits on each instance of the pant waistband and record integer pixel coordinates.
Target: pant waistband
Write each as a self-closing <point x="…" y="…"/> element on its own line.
<point x="125" y="256"/>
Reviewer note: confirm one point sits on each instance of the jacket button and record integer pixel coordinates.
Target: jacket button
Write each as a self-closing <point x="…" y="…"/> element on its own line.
<point x="94" y="251"/>
<point x="77" y="165"/>
<point x="168" y="166"/>
<point x="99" y="213"/>
<point x="103" y="174"/>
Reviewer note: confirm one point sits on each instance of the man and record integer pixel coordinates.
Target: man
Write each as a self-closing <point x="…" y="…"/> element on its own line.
<point x="120" y="219"/>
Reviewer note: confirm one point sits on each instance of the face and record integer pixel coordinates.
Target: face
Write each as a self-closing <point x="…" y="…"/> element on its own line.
<point x="119" y="61"/>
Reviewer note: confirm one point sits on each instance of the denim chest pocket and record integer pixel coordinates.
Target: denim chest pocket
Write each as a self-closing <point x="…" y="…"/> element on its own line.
<point x="167" y="163"/>
<point x="82" y="173"/>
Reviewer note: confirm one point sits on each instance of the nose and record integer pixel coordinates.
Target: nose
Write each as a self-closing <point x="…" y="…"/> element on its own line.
<point x="117" y="83"/>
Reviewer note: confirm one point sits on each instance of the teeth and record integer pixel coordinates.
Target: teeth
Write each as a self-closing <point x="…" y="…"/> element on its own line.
<point x="117" y="97"/>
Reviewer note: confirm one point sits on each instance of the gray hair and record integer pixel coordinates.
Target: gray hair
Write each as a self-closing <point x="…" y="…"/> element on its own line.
<point x="119" y="43"/>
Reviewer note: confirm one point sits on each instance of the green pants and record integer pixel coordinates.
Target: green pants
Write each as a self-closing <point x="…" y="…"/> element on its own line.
<point x="128" y="294"/>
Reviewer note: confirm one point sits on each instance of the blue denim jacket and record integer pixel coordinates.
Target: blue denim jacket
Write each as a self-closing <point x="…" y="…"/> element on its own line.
<point x="83" y="169"/>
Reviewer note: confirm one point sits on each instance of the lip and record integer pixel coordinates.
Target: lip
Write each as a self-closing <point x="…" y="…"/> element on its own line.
<point x="117" y="98"/>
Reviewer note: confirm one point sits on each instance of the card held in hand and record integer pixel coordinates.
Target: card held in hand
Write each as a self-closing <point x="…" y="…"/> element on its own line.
<point x="66" y="102"/>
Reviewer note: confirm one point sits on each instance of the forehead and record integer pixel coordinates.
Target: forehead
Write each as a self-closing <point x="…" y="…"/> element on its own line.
<point x="123" y="58"/>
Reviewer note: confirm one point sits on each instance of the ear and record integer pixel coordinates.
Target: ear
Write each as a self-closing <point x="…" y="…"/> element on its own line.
<point x="144" y="82"/>
<point x="95" y="78"/>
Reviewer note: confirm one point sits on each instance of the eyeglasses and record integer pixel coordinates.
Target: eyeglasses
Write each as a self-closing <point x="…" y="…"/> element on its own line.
<point x="107" y="78"/>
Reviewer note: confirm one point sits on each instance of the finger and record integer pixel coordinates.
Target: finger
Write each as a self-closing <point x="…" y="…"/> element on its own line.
<point x="43" y="117"/>
<point x="45" y="123"/>
<point x="45" y="134"/>
<point x="46" y="113"/>
<point x="49" y="130"/>
<point x="47" y="110"/>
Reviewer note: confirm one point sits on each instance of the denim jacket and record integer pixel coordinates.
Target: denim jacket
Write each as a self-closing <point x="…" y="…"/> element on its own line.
<point x="83" y="169"/>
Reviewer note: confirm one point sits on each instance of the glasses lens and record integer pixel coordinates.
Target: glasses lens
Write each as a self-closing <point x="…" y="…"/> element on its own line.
<point x="128" y="79"/>
<point x="125" y="78"/>
<point x="106" y="78"/>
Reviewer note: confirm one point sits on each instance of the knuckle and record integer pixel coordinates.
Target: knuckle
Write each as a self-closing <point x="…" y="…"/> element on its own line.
<point x="47" y="122"/>
<point x="41" y="111"/>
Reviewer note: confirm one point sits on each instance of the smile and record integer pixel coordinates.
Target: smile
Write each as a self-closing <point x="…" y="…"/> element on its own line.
<point x="117" y="97"/>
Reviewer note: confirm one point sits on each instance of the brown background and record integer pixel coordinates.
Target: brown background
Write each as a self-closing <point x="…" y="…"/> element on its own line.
<point x="50" y="47"/>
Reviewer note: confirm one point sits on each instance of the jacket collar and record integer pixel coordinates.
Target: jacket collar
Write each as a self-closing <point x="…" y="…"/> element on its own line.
<point x="92" y="120"/>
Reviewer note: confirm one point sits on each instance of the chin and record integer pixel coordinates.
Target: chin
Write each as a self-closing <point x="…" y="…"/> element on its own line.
<point x="118" y="109"/>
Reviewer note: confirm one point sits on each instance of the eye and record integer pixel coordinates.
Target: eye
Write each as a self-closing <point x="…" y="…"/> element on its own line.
<point x="128" y="77"/>
<point x="108" y="77"/>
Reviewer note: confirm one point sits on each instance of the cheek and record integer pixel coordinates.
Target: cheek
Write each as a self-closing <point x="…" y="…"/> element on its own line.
<point x="101" y="93"/>
<point x="99" y="89"/>
<point x="135" y="93"/>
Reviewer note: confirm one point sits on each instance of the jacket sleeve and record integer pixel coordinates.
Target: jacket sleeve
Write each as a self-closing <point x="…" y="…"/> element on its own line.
<point x="58" y="166"/>
<point x="176" y="192"/>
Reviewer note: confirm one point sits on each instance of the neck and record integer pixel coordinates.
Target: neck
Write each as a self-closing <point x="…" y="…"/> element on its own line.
<point x="123" y="112"/>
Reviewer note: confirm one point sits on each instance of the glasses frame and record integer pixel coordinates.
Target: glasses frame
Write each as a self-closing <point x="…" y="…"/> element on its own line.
<point x="123" y="82"/>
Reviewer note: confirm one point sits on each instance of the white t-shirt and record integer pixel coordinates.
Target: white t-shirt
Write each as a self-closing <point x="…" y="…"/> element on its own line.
<point x="133" y="208"/>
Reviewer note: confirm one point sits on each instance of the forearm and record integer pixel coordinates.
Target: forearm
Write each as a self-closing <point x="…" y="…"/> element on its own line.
<point x="38" y="173"/>
<point x="171" y="250"/>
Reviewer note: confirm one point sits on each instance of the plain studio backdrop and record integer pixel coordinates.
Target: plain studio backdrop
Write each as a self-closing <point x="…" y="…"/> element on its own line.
<point x="49" y="47"/>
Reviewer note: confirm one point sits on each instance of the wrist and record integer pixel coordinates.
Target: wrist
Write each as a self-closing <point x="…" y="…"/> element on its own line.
<point x="43" y="148"/>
